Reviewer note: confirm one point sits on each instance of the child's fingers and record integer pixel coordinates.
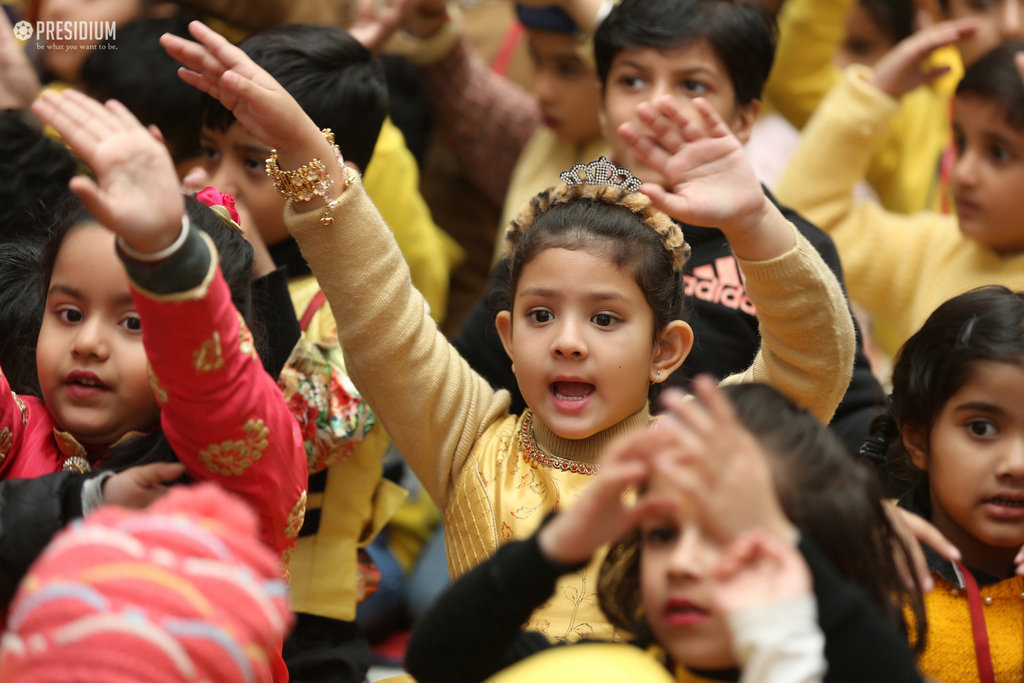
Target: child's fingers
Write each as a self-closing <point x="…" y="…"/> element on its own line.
<point x="197" y="81"/>
<point x="738" y="554"/>
<point x="68" y="121"/>
<point x="712" y="121"/>
<point x="158" y="473"/>
<point x="651" y="506"/>
<point x="706" y="388"/>
<point x="682" y="115"/>
<point x="227" y="55"/>
<point x="644" y="148"/>
<point x="91" y="196"/>
<point x="692" y="415"/>
<point x="662" y="129"/>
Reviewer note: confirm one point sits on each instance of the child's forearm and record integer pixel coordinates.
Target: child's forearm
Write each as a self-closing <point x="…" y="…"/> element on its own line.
<point x="483" y="117"/>
<point x="426" y="396"/>
<point x="807" y="337"/>
<point x="223" y="416"/>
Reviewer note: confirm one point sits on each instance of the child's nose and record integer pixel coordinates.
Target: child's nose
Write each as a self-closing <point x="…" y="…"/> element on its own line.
<point x="692" y="558"/>
<point x="91" y="340"/>
<point x="1012" y="463"/>
<point x="965" y="168"/>
<point x="569" y="342"/>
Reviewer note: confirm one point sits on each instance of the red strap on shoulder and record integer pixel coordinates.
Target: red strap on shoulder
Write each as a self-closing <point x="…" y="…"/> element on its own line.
<point x="981" y="648"/>
<point x="508" y="48"/>
<point x="314" y="306"/>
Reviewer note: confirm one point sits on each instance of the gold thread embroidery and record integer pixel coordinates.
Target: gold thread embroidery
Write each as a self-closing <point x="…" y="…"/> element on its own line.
<point x="233" y="457"/>
<point x="22" y="407"/>
<point x="532" y="452"/>
<point x="245" y="343"/>
<point x="76" y="464"/>
<point x="6" y="439"/>
<point x="208" y="356"/>
<point x="286" y="558"/>
<point x="154" y="383"/>
<point x="295" y="519"/>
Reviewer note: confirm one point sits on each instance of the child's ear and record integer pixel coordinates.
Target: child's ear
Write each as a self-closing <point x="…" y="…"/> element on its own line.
<point x="744" y="120"/>
<point x="503" y="321"/>
<point x="916" y="443"/>
<point x="671" y="349"/>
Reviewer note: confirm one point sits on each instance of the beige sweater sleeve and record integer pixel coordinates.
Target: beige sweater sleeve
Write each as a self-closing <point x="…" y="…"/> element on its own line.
<point x="807" y="337"/>
<point x="434" y="406"/>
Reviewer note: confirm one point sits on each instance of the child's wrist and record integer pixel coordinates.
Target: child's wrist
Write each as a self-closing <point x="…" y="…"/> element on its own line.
<point x="762" y="234"/>
<point x="150" y="251"/>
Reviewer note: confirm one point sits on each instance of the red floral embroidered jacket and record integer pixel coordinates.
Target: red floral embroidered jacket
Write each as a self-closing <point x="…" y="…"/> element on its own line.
<point x="222" y="414"/>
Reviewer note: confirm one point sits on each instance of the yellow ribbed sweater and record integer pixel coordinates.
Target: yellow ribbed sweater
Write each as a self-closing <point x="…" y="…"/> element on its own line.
<point x="899" y="267"/>
<point x="455" y="431"/>
<point x="949" y="652"/>
<point x="903" y="164"/>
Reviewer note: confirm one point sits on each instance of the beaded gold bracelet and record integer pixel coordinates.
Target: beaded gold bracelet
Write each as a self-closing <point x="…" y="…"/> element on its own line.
<point x="311" y="180"/>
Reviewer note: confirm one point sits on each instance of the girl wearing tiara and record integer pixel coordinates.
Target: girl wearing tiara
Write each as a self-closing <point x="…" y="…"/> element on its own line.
<point x="594" y="318"/>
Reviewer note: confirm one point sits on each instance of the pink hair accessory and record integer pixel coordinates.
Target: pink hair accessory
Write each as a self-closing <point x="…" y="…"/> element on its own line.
<point x="222" y="204"/>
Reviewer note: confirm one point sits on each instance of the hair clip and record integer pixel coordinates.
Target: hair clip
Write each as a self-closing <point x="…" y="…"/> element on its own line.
<point x="963" y="338"/>
<point x="874" y="448"/>
<point x="601" y="172"/>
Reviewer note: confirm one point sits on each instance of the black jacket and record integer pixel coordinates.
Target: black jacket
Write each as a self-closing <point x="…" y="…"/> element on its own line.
<point x="473" y="631"/>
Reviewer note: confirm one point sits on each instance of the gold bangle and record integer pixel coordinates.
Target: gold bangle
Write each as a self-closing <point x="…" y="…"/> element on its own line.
<point x="305" y="182"/>
<point x="330" y="205"/>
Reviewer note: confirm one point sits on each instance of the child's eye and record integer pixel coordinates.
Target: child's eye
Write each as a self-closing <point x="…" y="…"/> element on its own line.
<point x="1000" y="154"/>
<point x="695" y="87"/>
<point x="604" y="320"/>
<point x="982" y="429"/>
<point x="209" y="152"/>
<point x="70" y="315"/>
<point x="631" y="82"/>
<point x="982" y="4"/>
<point x="540" y="316"/>
<point x="569" y="69"/>
<point x="253" y="163"/>
<point x="131" y="323"/>
<point x="660" y="536"/>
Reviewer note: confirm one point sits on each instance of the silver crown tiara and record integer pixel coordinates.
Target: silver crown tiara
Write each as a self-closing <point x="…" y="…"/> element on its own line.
<point x="601" y="172"/>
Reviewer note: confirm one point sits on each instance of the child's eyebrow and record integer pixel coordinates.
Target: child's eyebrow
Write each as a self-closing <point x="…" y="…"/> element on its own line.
<point x="65" y="289"/>
<point x="981" y="406"/>
<point x="1000" y="139"/>
<point x="545" y="293"/>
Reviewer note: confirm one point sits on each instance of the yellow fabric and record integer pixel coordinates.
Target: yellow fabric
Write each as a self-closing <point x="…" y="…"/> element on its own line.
<point x="543" y="158"/>
<point x="392" y="180"/>
<point x="354" y="506"/>
<point x="949" y="650"/>
<point x="898" y="267"/>
<point x="455" y="431"/>
<point x="591" y="662"/>
<point x="904" y="167"/>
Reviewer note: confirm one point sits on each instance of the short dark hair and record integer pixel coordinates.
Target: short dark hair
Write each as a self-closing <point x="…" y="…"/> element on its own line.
<point x="983" y="325"/>
<point x="142" y="76"/>
<point x="34" y="175"/>
<point x="894" y="17"/>
<point x="994" y="77"/>
<point x="336" y="81"/>
<point x="742" y="34"/>
<point x="824" y="493"/>
<point x="20" y="311"/>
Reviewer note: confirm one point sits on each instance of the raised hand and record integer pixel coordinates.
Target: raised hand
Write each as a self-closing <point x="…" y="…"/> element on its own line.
<point x="720" y="466"/>
<point x="710" y="181"/>
<point x="603" y="514"/>
<point x="19" y="83"/>
<point x="759" y="569"/>
<point x="260" y="104"/>
<point x="135" y="193"/>
<point x="902" y="70"/>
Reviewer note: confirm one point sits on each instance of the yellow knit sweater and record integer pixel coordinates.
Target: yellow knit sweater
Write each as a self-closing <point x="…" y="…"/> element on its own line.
<point x="949" y="653"/>
<point x="455" y="431"/>
<point x="899" y="267"/>
<point x="902" y="165"/>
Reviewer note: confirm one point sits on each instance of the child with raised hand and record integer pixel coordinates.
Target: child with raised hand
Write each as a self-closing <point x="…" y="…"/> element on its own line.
<point x="902" y="267"/>
<point x="954" y="428"/>
<point x="154" y="362"/>
<point x="594" y="318"/>
<point x="706" y="571"/>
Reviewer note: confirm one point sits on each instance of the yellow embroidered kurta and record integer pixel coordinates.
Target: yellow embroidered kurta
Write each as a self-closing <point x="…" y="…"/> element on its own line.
<point x="949" y="651"/>
<point x="455" y="431"/>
